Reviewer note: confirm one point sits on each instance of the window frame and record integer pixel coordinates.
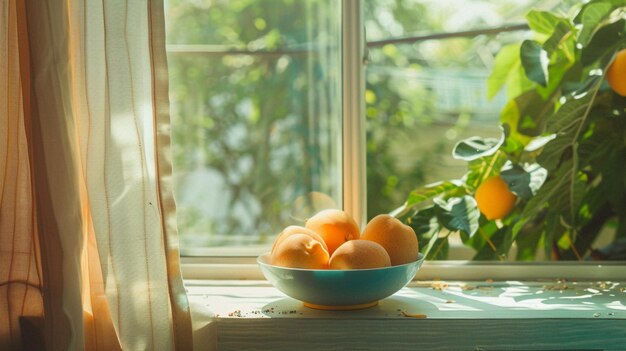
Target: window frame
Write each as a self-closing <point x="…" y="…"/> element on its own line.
<point x="353" y="85"/>
<point x="228" y="263"/>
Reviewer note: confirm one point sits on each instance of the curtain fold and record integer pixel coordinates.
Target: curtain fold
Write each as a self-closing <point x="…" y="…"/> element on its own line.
<point x="20" y="272"/>
<point x="165" y="194"/>
<point x="88" y="234"/>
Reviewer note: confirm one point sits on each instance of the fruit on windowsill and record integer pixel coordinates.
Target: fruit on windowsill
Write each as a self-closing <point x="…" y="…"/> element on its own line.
<point x="331" y="239"/>
<point x="397" y="238"/>
<point x="334" y="226"/>
<point x="300" y="251"/>
<point x="359" y="254"/>
<point x="295" y="229"/>
<point x="494" y="199"/>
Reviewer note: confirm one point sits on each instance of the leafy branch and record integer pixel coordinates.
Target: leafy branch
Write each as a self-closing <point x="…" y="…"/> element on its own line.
<point x="560" y="152"/>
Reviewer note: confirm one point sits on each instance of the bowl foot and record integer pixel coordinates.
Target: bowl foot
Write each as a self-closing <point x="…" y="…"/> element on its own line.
<point x="341" y="307"/>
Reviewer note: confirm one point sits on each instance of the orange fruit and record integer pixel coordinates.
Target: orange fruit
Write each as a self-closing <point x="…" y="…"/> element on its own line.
<point x="300" y="251"/>
<point x="398" y="239"/>
<point x="494" y="198"/>
<point x="616" y="74"/>
<point x="294" y="229"/>
<point x="359" y="254"/>
<point x="334" y="226"/>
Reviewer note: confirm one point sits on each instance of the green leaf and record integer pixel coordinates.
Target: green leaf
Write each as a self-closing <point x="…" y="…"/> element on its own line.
<point x="535" y="61"/>
<point x="539" y="142"/>
<point x="518" y="82"/>
<point x="484" y="168"/>
<point x="524" y="181"/>
<point x="506" y="62"/>
<point x="590" y="16"/>
<point x="438" y="250"/>
<point x="430" y="191"/>
<point x="603" y="138"/>
<point x="533" y="111"/>
<point x="486" y="252"/>
<point x="614" y="180"/>
<point x="570" y="115"/>
<point x="509" y="117"/>
<point x="571" y="80"/>
<point x="485" y="231"/>
<point x="621" y="226"/>
<point x="426" y="249"/>
<point x="476" y="147"/>
<point x="604" y="42"/>
<point x="527" y="243"/>
<point x="566" y="122"/>
<point x="578" y="19"/>
<point x="560" y="31"/>
<point x="577" y="189"/>
<point x="537" y="203"/>
<point x="553" y="229"/>
<point x="458" y="213"/>
<point x="424" y="222"/>
<point x="565" y="241"/>
<point x="562" y="194"/>
<point x="589" y="83"/>
<point x="552" y="153"/>
<point x="562" y="52"/>
<point x="542" y="21"/>
<point x="426" y="227"/>
<point x="513" y="144"/>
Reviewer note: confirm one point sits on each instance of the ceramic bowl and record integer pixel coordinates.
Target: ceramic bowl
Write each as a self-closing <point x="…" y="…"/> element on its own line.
<point x="339" y="289"/>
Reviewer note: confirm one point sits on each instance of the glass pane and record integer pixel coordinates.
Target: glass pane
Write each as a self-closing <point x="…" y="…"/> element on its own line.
<point x="425" y="96"/>
<point x="255" y="97"/>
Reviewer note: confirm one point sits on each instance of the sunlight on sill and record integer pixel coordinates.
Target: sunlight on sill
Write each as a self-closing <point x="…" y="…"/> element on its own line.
<point x="552" y="314"/>
<point x="435" y="299"/>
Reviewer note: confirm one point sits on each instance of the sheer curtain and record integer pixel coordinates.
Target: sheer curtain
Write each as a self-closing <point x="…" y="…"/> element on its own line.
<point x="88" y="243"/>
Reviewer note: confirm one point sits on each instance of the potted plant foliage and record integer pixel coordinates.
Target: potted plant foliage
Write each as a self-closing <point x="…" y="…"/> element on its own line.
<point x="556" y="178"/>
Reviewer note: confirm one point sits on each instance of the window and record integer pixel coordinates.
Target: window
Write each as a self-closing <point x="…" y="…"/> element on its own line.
<point x="258" y="95"/>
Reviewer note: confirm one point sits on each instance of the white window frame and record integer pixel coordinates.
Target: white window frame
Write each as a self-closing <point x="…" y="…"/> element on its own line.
<point x="353" y="87"/>
<point x="240" y="263"/>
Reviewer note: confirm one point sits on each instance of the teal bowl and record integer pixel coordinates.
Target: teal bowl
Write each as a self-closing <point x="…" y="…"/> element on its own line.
<point x="339" y="289"/>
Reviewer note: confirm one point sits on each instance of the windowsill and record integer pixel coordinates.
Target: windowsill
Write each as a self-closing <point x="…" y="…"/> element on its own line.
<point x="485" y="315"/>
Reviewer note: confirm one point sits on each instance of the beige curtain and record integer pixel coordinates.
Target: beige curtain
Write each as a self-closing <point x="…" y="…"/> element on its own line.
<point x="88" y="243"/>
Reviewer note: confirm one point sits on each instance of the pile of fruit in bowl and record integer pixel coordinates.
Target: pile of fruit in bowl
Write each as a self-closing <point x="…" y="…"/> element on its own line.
<point x="330" y="264"/>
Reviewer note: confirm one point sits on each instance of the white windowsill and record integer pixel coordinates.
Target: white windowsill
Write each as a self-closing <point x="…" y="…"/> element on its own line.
<point x="478" y="315"/>
<point x="246" y="268"/>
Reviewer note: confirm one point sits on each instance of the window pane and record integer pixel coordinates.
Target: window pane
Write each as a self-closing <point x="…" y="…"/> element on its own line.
<point x="255" y="97"/>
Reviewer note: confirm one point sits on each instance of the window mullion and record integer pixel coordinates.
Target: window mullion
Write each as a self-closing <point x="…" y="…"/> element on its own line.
<point x="353" y="177"/>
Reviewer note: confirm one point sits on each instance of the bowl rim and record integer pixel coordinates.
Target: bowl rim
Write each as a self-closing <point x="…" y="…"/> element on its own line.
<point x="261" y="261"/>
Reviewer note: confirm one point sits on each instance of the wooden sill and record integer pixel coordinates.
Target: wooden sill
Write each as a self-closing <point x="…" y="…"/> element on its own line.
<point x="426" y="315"/>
